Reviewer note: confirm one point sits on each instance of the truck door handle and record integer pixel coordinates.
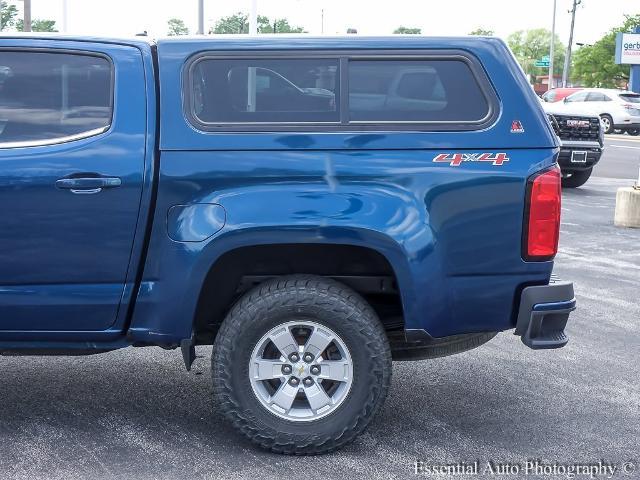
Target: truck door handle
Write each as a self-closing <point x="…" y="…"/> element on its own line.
<point x="88" y="184"/>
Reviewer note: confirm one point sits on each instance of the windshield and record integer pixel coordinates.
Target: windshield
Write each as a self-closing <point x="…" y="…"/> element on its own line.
<point x="630" y="97"/>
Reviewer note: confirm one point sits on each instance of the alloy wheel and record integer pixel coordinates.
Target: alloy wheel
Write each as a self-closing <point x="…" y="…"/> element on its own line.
<point x="301" y="371"/>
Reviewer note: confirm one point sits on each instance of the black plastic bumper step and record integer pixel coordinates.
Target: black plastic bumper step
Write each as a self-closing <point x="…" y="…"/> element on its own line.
<point x="543" y="315"/>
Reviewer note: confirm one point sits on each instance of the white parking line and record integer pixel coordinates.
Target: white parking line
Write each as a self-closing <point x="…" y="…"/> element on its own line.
<point x="621" y="138"/>
<point x="624" y="146"/>
<point x="629" y="138"/>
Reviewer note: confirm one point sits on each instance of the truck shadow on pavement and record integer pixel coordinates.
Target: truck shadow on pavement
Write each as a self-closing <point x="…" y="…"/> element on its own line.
<point x="137" y="412"/>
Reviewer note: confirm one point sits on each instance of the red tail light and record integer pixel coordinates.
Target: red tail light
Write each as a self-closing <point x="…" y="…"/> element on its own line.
<point x="542" y="216"/>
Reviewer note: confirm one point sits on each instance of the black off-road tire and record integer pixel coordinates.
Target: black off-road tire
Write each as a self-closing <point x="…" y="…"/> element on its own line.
<point x="576" y="179"/>
<point x="325" y="302"/>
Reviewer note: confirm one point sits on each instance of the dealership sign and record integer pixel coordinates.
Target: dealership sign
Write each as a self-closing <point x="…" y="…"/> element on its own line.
<point x="628" y="48"/>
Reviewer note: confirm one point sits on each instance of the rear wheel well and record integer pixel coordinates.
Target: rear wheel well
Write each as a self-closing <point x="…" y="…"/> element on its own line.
<point x="365" y="270"/>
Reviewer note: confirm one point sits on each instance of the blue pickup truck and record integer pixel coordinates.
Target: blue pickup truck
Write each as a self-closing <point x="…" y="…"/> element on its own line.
<point x="314" y="208"/>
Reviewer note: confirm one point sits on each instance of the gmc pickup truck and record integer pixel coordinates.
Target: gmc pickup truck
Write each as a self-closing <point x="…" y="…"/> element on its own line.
<point x="581" y="143"/>
<point x="313" y="208"/>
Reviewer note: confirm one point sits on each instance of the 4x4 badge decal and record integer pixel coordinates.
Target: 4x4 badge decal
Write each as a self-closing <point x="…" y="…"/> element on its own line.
<point x="456" y="159"/>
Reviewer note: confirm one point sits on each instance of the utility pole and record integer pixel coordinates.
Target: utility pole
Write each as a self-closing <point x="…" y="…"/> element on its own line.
<point x="27" y="16"/>
<point x="200" y="17"/>
<point x="322" y="21"/>
<point x="567" y="58"/>
<point x="552" y="46"/>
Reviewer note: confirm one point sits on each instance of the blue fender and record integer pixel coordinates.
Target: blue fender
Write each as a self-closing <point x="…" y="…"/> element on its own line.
<point x="383" y="218"/>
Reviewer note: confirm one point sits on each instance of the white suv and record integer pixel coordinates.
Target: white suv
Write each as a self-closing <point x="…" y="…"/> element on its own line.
<point x="618" y="109"/>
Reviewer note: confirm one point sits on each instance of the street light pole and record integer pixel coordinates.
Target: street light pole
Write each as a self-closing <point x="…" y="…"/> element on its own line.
<point x="200" y="17"/>
<point x="552" y="46"/>
<point x="567" y="58"/>
<point x="64" y="16"/>
<point x="251" y="71"/>
<point x="253" y="18"/>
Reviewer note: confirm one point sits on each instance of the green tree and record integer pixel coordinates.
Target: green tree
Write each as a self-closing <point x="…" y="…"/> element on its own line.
<point x="264" y="25"/>
<point x="239" y="23"/>
<point x="38" y="25"/>
<point x="177" y="27"/>
<point x="408" y="30"/>
<point x="531" y="45"/>
<point x="8" y="15"/>
<point x="278" y="26"/>
<point x="595" y="66"/>
<point x="482" y="32"/>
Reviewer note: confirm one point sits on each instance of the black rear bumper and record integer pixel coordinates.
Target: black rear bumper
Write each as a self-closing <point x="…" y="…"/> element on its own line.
<point x="543" y="314"/>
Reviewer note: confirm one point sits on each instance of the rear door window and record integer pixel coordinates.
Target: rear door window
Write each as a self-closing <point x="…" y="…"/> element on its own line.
<point x="577" y="97"/>
<point x="48" y="97"/>
<point x="597" y="97"/>
<point x="265" y="90"/>
<point x="415" y="91"/>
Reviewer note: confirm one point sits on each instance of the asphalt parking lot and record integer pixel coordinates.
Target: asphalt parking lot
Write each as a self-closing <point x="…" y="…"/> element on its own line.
<point x="137" y="414"/>
<point x="621" y="158"/>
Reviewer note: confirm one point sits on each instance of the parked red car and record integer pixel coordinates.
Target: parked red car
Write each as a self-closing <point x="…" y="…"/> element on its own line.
<point x="557" y="94"/>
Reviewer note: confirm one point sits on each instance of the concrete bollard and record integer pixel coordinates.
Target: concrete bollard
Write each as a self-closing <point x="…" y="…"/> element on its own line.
<point x="627" y="212"/>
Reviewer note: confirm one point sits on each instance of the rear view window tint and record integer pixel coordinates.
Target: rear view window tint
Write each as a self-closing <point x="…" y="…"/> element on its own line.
<point x="414" y="91"/>
<point x="630" y="97"/>
<point x="45" y="96"/>
<point x="265" y="90"/>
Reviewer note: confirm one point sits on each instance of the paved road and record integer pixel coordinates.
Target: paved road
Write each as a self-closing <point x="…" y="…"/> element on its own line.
<point x="137" y="414"/>
<point x="621" y="158"/>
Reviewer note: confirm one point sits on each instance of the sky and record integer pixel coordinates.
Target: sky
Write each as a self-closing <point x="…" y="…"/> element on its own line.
<point x="370" y="17"/>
